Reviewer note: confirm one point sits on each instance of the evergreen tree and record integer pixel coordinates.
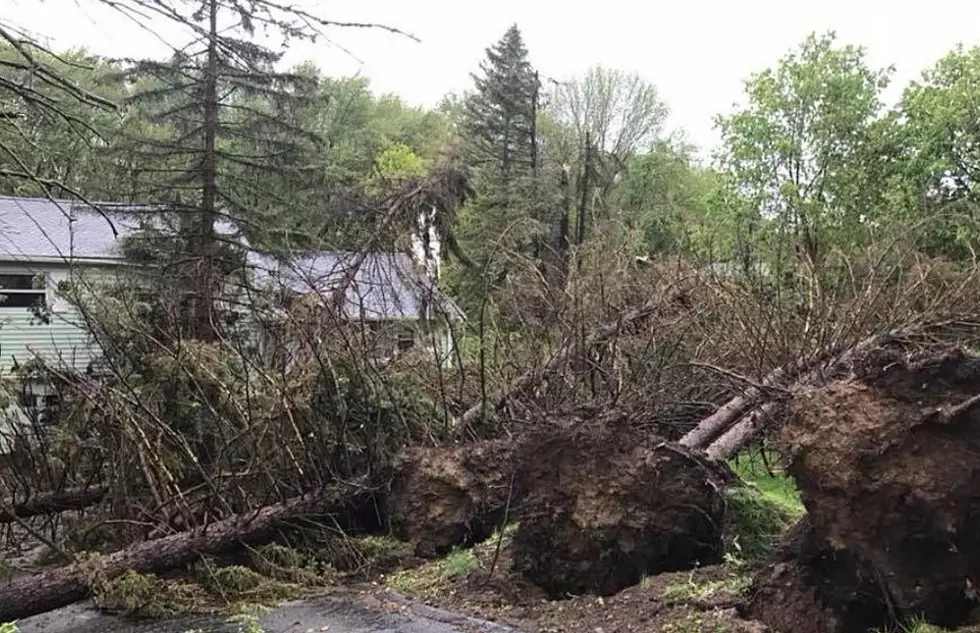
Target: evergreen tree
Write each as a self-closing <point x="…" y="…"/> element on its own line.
<point x="219" y="123"/>
<point x="499" y="118"/>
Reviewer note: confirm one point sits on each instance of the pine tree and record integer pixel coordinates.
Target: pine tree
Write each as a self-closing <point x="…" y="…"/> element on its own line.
<point x="216" y="125"/>
<point x="499" y="118"/>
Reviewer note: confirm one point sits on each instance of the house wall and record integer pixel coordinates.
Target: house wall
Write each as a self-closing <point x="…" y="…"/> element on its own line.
<point x="23" y="336"/>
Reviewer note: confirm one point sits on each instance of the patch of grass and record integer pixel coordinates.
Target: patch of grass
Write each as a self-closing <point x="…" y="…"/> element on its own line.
<point x="692" y="589"/>
<point x="435" y="577"/>
<point x="247" y="621"/>
<point x="761" y="511"/>
<point x="461" y="562"/>
<point x="8" y="627"/>
<point x="916" y="625"/>
<point x="695" y="622"/>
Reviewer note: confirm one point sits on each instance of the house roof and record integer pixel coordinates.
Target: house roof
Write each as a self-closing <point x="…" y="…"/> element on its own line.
<point x="385" y="286"/>
<point x="39" y="228"/>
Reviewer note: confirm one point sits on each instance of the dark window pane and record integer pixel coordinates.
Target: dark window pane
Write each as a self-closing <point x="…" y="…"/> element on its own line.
<point x="21" y="299"/>
<point x="17" y="282"/>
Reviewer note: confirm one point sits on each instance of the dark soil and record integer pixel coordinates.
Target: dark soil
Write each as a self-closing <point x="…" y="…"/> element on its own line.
<point x="607" y="505"/>
<point x="891" y="482"/>
<point x="446" y="497"/>
<point x="702" y="600"/>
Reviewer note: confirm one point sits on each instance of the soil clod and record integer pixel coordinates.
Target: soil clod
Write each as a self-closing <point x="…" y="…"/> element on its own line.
<point x="607" y="505"/>
<point x="886" y="462"/>
<point x="447" y="497"/>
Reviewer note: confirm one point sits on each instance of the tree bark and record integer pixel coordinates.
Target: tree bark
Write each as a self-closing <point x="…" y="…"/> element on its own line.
<point x="51" y="502"/>
<point x="61" y="587"/>
<point x="741" y="408"/>
<point x="733" y="437"/>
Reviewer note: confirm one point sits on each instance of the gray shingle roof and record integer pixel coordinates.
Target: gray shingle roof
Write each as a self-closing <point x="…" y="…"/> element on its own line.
<point x="385" y="286"/>
<point x="34" y="228"/>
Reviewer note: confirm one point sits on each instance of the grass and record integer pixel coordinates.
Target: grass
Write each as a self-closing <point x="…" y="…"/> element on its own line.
<point x="918" y="625"/>
<point x="437" y="577"/>
<point x="761" y="511"/>
<point x="734" y="585"/>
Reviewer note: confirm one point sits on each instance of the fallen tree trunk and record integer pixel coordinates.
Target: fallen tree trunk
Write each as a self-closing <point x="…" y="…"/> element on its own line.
<point x="739" y="420"/>
<point x="741" y="409"/>
<point x="60" y="587"/>
<point x="51" y="502"/>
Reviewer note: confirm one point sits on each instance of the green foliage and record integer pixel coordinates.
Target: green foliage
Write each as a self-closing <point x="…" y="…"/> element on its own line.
<point x="435" y="577"/>
<point x="694" y="588"/>
<point x="668" y="199"/>
<point x="500" y="115"/>
<point x="50" y="131"/>
<point x="940" y="137"/>
<point x="146" y="595"/>
<point x="8" y="627"/>
<point x="761" y="510"/>
<point x="808" y="149"/>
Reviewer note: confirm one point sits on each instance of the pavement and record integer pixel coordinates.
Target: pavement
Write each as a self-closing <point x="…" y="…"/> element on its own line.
<point x="345" y="611"/>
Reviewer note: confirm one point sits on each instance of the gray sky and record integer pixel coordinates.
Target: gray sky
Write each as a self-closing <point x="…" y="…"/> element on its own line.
<point x="696" y="51"/>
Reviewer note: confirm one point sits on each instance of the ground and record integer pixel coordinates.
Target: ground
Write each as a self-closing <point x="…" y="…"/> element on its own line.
<point x="480" y="581"/>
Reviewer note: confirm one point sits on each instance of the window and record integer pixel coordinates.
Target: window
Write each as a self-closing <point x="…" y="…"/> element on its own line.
<point x="22" y="291"/>
<point x="405" y="339"/>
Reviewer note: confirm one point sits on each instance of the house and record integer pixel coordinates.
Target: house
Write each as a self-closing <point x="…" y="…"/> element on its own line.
<point x="389" y="293"/>
<point x="44" y="243"/>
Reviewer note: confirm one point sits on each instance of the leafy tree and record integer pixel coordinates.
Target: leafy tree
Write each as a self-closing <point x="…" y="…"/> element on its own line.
<point x="55" y="117"/>
<point x="807" y="148"/>
<point x="594" y="124"/>
<point x="941" y="134"/>
<point x="622" y="113"/>
<point x="666" y="197"/>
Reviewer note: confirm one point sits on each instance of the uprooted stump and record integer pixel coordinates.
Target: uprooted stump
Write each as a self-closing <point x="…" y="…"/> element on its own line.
<point x="888" y="469"/>
<point x="607" y="504"/>
<point x="446" y="497"/>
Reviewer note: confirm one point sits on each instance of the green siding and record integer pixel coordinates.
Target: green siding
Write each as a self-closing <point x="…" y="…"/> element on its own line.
<point x="62" y="341"/>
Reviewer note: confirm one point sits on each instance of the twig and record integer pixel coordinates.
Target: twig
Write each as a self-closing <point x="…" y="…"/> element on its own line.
<point x="503" y="525"/>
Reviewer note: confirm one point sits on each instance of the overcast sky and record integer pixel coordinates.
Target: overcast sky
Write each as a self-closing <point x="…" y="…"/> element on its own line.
<point x="697" y="52"/>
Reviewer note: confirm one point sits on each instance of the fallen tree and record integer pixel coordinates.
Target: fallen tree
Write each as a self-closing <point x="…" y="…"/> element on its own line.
<point x="569" y="348"/>
<point x="885" y="460"/>
<point x="63" y="586"/>
<point x="51" y="502"/>
<point x="737" y="421"/>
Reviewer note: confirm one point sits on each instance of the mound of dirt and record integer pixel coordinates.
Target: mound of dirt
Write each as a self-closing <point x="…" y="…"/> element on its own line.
<point x="887" y="465"/>
<point x="607" y="504"/>
<point x="446" y="497"/>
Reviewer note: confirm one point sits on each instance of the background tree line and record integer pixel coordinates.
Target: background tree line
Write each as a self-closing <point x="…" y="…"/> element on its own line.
<point x="814" y="164"/>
